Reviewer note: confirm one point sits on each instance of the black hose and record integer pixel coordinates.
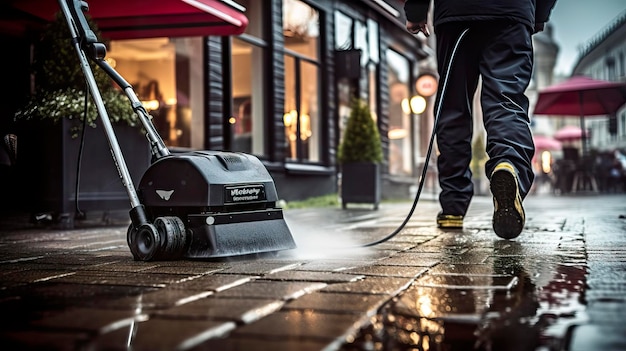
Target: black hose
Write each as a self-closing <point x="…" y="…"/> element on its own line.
<point x="430" y="148"/>
<point x="79" y="213"/>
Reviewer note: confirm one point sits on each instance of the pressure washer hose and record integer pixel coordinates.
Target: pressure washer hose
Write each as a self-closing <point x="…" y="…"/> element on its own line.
<point x="442" y="94"/>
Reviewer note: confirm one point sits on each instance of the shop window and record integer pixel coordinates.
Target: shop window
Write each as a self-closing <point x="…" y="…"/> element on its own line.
<point x="166" y="74"/>
<point x="302" y="104"/>
<point x="362" y="37"/>
<point x="400" y="127"/>
<point x="343" y="31"/>
<point x="246" y="121"/>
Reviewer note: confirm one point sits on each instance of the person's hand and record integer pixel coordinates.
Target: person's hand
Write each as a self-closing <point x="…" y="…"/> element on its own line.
<point x="539" y="27"/>
<point x="415" y="28"/>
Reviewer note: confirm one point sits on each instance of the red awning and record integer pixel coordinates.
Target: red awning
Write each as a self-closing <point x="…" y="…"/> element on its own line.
<point x="131" y="19"/>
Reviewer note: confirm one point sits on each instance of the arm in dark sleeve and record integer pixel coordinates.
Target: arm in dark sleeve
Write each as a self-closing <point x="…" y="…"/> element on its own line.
<point x="416" y="11"/>
<point x="542" y="10"/>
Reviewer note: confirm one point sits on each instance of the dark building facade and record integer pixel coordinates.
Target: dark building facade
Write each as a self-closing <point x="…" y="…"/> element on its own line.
<point x="280" y="90"/>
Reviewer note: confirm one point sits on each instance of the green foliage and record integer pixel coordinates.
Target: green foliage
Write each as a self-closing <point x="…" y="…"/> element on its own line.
<point x="330" y="200"/>
<point x="361" y="139"/>
<point x="60" y="83"/>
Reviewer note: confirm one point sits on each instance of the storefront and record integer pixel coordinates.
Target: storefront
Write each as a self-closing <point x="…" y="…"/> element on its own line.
<point x="275" y="83"/>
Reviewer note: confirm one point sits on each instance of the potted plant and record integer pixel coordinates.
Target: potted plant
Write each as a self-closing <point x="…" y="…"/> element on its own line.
<point x="49" y="126"/>
<point x="359" y="155"/>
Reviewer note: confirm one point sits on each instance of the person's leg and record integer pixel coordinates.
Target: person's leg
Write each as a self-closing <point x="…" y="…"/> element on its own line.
<point x="454" y="127"/>
<point x="506" y="68"/>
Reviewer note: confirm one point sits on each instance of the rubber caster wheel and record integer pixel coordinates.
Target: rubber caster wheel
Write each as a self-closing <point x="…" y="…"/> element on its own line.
<point x="172" y="230"/>
<point x="144" y="242"/>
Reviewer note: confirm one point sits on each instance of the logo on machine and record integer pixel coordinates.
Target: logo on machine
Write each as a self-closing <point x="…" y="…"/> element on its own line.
<point x="165" y="194"/>
<point x="244" y="193"/>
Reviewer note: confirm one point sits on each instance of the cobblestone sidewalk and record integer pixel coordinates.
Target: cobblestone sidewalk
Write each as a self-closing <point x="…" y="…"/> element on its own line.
<point x="560" y="286"/>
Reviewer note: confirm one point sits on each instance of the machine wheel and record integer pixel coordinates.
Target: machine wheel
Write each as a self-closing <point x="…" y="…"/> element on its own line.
<point x="173" y="231"/>
<point x="144" y="242"/>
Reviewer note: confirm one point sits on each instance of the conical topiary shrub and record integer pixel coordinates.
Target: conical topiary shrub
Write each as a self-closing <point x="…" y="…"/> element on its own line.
<point x="361" y="139"/>
<point x="360" y="154"/>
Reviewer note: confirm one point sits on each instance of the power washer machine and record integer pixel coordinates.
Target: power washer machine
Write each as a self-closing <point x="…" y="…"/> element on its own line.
<point x="199" y="204"/>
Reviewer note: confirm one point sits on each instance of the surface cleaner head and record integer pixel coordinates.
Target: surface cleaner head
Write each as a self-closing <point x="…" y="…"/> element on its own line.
<point x="226" y="203"/>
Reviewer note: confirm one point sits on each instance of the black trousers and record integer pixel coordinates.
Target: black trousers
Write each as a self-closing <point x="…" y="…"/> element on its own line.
<point x="501" y="53"/>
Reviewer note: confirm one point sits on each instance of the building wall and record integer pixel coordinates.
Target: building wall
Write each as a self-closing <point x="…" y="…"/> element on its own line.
<point x="604" y="57"/>
<point x="294" y="179"/>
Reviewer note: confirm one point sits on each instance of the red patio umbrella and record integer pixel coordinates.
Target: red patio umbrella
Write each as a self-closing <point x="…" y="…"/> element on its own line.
<point x="581" y="96"/>
<point x="546" y="143"/>
<point x="128" y="19"/>
<point x="570" y="133"/>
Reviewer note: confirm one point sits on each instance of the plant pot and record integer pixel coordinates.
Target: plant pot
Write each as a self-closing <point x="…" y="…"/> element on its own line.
<point x="47" y="163"/>
<point x="360" y="183"/>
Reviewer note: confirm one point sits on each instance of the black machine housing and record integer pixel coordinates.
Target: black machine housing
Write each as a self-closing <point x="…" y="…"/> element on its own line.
<point x="225" y="200"/>
<point x="197" y="204"/>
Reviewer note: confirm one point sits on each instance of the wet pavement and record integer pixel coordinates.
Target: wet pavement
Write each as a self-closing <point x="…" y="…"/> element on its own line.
<point x="560" y="286"/>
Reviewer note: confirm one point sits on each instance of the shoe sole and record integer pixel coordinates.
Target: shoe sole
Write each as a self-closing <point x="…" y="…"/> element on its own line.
<point x="449" y="221"/>
<point x="450" y="226"/>
<point x="507" y="221"/>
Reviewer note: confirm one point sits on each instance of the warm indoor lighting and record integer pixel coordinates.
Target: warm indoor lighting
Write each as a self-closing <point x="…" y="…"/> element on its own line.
<point x="406" y="108"/>
<point x="150" y="105"/>
<point x="546" y="162"/>
<point x="397" y="133"/>
<point x="232" y="120"/>
<point x="416" y="105"/>
<point x="290" y="117"/>
<point x="289" y="120"/>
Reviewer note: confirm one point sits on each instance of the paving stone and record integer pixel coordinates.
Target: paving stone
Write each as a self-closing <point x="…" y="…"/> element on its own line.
<point x="595" y="337"/>
<point x="475" y="255"/>
<point x="259" y="268"/>
<point x="17" y="257"/>
<point x="462" y="269"/>
<point x="443" y="303"/>
<point x="36" y="275"/>
<point x="371" y="285"/>
<point x="607" y="312"/>
<point x="324" y="277"/>
<point x="42" y="340"/>
<point x="489" y="282"/>
<point x="339" y="303"/>
<point x="389" y="271"/>
<point x="395" y="246"/>
<point x="162" y="334"/>
<point x="410" y="259"/>
<point x="184" y="270"/>
<point x="213" y="282"/>
<point x="278" y="290"/>
<point x="81" y="259"/>
<point x="89" y="320"/>
<point x="54" y="296"/>
<point x="332" y="265"/>
<point x="157" y="280"/>
<point x="120" y="266"/>
<point x="156" y="300"/>
<point x="301" y="325"/>
<point x="239" y="310"/>
<point x="260" y="344"/>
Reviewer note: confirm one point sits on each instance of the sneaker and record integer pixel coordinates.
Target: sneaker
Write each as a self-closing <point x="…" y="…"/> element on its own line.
<point x="449" y="221"/>
<point x="508" y="213"/>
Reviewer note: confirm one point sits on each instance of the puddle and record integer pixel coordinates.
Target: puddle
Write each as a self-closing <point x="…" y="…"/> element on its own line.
<point x="511" y="302"/>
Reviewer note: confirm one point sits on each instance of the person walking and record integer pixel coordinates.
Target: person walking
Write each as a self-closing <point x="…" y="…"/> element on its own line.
<point x="490" y="39"/>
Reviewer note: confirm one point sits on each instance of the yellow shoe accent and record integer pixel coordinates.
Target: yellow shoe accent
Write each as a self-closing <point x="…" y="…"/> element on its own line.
<point x="449" y="221"/>
<point x="508" y="212"/>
